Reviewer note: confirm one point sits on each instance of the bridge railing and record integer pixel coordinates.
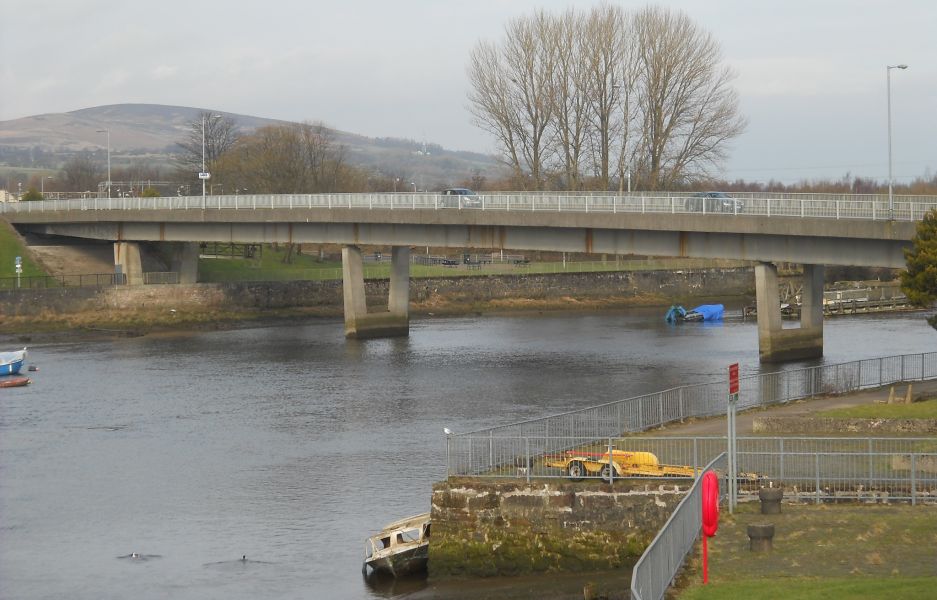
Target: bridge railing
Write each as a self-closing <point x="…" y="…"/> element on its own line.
<point x="468" y="452"/>
<point x="832" y="206"/>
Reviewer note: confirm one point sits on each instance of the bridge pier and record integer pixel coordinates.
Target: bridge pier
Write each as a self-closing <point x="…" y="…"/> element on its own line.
<point x="390" y="323"/>
<point x="127" y="261"/>
<point x="184" y="260"/>
<point x="776" y="344"/>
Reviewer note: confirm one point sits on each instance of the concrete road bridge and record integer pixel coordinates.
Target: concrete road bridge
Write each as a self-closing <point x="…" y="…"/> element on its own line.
<point x="811" y="229"/>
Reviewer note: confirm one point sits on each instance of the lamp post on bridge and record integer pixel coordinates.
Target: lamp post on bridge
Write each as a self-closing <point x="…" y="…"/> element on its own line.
<point x="42" y="185"/>
<point x="108" y="132"/>
<point x="891" y="200"/>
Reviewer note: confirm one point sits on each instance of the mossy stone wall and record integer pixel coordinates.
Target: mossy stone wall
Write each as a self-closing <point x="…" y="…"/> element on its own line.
<point x="490" y="528"/>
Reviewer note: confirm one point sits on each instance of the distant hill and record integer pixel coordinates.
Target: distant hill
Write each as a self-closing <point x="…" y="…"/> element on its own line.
<point x="149" y="133"/>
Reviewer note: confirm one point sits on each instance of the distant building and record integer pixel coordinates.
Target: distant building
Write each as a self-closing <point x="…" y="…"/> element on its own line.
<point x="6" y="196"/>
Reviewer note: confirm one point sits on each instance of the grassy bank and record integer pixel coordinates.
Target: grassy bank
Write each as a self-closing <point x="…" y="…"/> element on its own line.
<point x="10" y="247"/>
<point x="831" y="550"/>
<point x="821" y="551"/>
<point x="147" y="320"/>
<point x="918" y="410"/>
<point x="269" y="265"/>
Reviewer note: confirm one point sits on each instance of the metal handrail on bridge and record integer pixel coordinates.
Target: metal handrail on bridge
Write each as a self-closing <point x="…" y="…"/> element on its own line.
<point x="832" y="206"/>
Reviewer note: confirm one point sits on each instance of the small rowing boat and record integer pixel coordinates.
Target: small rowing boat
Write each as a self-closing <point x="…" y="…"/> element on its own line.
<point x="12" y="362"/>
<point x="6" y="382"/>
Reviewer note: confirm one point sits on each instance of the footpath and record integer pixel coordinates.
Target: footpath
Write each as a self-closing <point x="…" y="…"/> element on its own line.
<point x="795" y="408"/>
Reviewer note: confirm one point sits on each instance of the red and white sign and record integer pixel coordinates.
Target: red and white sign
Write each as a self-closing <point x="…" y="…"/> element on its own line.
<point x="734" y="378"/>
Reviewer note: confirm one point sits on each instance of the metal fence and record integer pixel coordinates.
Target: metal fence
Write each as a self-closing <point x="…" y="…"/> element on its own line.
<point x="469" y="454"/>
<point x="658" y="566"/>
<point x="832" y="206"/>
<point x="814" y="468"/>
<point x="61" y="281"/>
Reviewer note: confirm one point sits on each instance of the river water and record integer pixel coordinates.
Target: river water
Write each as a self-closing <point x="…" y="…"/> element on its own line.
<point x="290" y="444"/>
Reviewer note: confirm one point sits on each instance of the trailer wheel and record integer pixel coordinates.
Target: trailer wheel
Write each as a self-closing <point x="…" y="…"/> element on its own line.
<point x="576" y="471"/>
<point x="606" y="477"/>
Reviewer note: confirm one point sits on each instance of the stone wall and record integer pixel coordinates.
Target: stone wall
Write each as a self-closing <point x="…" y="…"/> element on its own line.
<point x="667" y="285"/>
<point x="486" y="528"/>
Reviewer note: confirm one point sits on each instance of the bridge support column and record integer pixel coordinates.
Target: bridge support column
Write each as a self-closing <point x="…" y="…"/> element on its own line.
<point x="393" y="322"/>
<point x="776" y="344"/>
<point x="127" y="261"/>
<point x="184" y="261"/>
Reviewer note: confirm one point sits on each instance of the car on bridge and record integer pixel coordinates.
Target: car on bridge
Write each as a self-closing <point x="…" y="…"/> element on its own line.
<point x="713" y="202"/>
<point x="456" y="197"/>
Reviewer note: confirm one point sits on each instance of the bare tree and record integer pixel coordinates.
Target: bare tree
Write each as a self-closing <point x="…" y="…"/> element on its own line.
<point x="298" y="158"/>
<point x="688" y="108"/>
<point x="220" y="135"/>
<point x="512" y="93"/>
<point x="82" y="173"/>
<point x="570" y="106"/>
<point x="603" y="28"/>
<point x="604" y="91"/>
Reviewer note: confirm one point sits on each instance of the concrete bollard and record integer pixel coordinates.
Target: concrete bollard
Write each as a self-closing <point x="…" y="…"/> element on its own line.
<point x="770" y="500"/>
<point x="760" y="536"/>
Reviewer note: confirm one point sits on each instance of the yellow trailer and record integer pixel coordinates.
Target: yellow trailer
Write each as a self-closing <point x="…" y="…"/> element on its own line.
<point x="579" y="464"/>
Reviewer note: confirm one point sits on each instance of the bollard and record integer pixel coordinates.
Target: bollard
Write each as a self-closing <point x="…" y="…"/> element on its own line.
<point x="760" y="536"/>
<point x="770" y="500"/>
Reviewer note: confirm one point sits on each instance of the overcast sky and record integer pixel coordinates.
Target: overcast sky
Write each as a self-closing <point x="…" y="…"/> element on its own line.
<point x="811" y="74"/>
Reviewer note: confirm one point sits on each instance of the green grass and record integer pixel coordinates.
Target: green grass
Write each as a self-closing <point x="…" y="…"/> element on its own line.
<point x="916" y="588"/>
<point x="821" y="551"/>
<point x="269" y="266"/>
<point x="917" y="410"/>
<point x="10" y="248"/>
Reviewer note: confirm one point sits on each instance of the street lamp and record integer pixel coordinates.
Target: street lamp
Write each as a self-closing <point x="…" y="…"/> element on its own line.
<point x="42" y="186"/>
<point x="203" y="174"/>
<point x="891" y="200"/>
<point x="108" y="132"/>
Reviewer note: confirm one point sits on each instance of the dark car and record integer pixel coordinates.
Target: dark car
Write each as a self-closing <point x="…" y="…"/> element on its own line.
<point x="456" y="197"/>
<point x="714" y="202"/>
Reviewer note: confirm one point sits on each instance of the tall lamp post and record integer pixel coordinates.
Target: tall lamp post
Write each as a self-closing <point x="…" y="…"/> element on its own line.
<point x="891" y="200"/>
<point x="42" y="185"/>
<point x="108" y="132"/>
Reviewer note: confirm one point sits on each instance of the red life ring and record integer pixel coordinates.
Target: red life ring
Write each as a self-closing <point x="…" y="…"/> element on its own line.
<point x="710" y="503"/>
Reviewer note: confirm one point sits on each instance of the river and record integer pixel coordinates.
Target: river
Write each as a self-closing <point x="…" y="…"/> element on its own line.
<point x="289" y="444"/>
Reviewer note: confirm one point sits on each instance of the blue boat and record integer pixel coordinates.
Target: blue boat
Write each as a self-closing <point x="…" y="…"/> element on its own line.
<point x="12" y="362"/>
<point x="703" y="312"/>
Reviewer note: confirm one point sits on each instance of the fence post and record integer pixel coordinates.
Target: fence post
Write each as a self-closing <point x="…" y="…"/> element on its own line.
<point x="527" y="457"/>
<point x="913" y="480"/>
<point x="491" y="458"/>
<point x="611" y="467"/>
<point x="660" y="408"/>
<point x="781" y="452"/>
<point x="448" y="463"/>
<point x="817" y="482"/>
<point x="695" y="457"/>
<point x="869" y="452"/>
<point x="640" y="415"/>
<point x="682" y="406"/>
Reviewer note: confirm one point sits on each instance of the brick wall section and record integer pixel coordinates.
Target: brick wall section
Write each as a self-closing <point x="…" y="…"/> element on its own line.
<point x="667" y="285"/>
<point x="488" y="528"/>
